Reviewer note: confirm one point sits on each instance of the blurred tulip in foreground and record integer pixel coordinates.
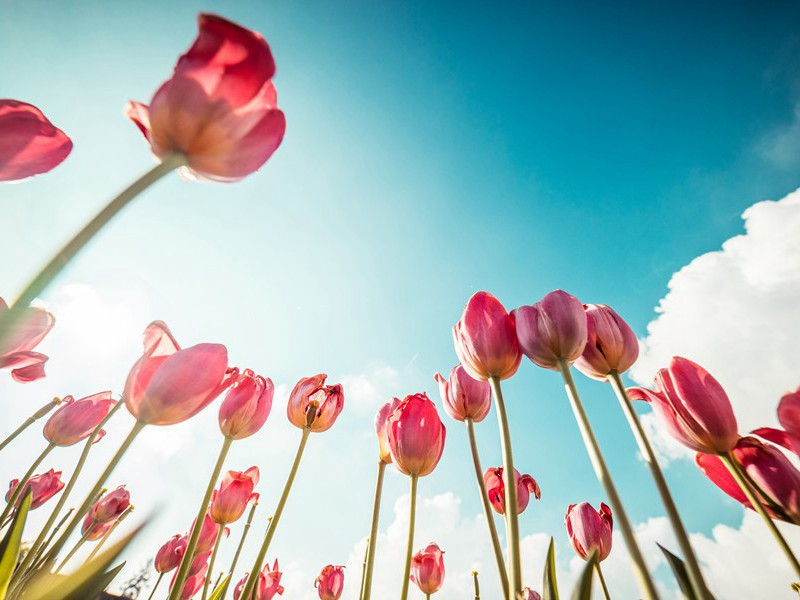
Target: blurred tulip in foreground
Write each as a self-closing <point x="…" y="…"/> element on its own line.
<point x="315" y="405"/>
<point x="234" y="494"/>
<point x="416" y="436"/>
<point x="268" y="585"/>
<point x="330" y="582"/>
<point x="16" y="348"/>
<point x="43" y="487"/>
<point x="589" y="529"/>
<point x="611" y="344"/>
<point x="246" y="405"/>
<point x="526" y="485"/>
<point x="529" y="594"/>
<point x="75" y="420"/>
<point x="463" y="396"/>
<point x="427" y="569"/>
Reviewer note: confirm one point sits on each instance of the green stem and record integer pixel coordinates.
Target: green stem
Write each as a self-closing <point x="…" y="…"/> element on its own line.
<point x="602" y="579"/>
<point x="412" y="517"/>
<point x="363" y="571"/>
<point x="477" y="587"/>
<point x="692" y="565"/>
<point x="155" y="587"/>
<point x="108" y="533"/>
<point x="487" y="508"/>
<point x="188" y="556"/>
<point x="604" y="477"/>
<point x="373" y="533"/>
<point x="212" y="561"/>
<point x="514" y="566"/>
<point x="249" y="586"/>
<point x="30" y="421"/>
<point x="76" y="547"/>
<point x="24" y="482"/>
<point x="239" y="548"/>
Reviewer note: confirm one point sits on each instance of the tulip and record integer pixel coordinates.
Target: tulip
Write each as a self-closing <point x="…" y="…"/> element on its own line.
<point x="209" y="531"/>
<point x="31" y="143"/>
<point x="27" y="330"/>
<point x="529" y="594"/>
<point x="43" y="487"/>
<point x="611" y="344"/>
<point x="76" y="420"/>
<point x="589" y="530"/>
<point x="552" y="330"/>
<point x="111" y="506"/>
<point x="268" y="586"/>
<point x="234" y="494"/>
<point x="168" y="385"/>
<point x="692" y="406"/>
<point x="219" y="108"/>
<point x="463" y="396"/>
<point x="526" y="485"/>
<point x="485" y="339"/>
<point x="93" y="530"/>
<point x="416" y="436"/>
<point x="380" y="428"/>
<point x="789" y="418"/>
<point x="314" y="405"/>
<point x="198" y="572"/>
<point x="330" y="583"/>
<point x="427" y="569"/>
<point x="170" y="554"/>
<point x="246" y="406"/>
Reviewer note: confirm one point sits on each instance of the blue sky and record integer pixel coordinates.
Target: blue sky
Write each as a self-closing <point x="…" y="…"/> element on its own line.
<point x="431" y="151"/>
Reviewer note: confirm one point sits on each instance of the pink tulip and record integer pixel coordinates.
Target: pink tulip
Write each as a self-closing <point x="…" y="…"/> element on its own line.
<point x="529" y="594"/>
<point x="168" y="385"/>
<point x="30" y="144"/>
<point x="552" y="330"/>
<point x="268" y="586"/>
<point x="234" y="494"/>
<point x="495" y="489"/>
<point x="43" y="487"/>
<point x="315" y="405"/>
<point x="93" y="530"/>
<point x="380" y="428"/>
<point x="485" y="339"/>
<point x="111" y="506"/>
<point x="169" y="556"/>
<point x="16" y="347"/>
<point x="246" y="406"/>
<point x="415" y="435"/>
<point x="789" y="418"/>
<point x="692" y="406"/>
<point x="427" y="569"/>
<point x="330" y="583"/>
<point x="611" y="344"/>
<point x="219" y="108"/>
<point x="464" y="396"/>
<point x="198" y="571"/>
<point x="209" y="531"/>
<point x="75" y="420"/>
<point x="589" y="529"/>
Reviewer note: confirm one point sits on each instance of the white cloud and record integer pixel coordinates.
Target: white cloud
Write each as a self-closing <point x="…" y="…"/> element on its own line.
<point x="366" y="393"/>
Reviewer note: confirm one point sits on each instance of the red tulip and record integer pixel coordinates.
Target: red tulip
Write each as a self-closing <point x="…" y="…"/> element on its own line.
<point x="692" y="406"/>
<point x="93" y="530"/>
<point x="43" y="487"/>
<point x="464" y="396"/>
<point x="169" y="556"/>
<point x="234" y="494"/>
<point x="380" y="428"/>
<point x="16" y="347"/>
<point x="209" y="531"/>
<point x="198" y="571"/>
<point x="529" y="594"/>
<point x="29" y="143"/>
<point x="415" y="435"/>
<point x="76" y="420"/>
<point x="111" y="506"/>
<point x="495" y="489"/>
<point x="427" y="569"/>
<point x="246" y="406"/>
<point x="168" y="385"/>
<point x="330" y="583"/>
<point x="611" y="344"/>
<point x="315" y="405"/>
<point x="552" y="330"/>
<point x="269" y="584"/>
<point x="219" y="108"/>
<point x="789" y="418"/>
<point x="589" y="529"/>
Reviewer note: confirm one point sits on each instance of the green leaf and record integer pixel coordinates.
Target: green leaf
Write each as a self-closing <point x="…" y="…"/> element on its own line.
<point x="10" y="545"/>
<point x="681" y="574"/>
<point x="583" y="589"/>
<point x="217" y="594"/>
<point x="549" y="583"/>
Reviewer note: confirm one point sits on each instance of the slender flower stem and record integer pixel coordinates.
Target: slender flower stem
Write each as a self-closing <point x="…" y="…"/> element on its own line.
<point x="730" y="463"/>
<point x="692" y="566"/>
<point x="364" y="570"/>
<point x="76" y="547"/>
<point x="213" y="560"/>
<point x="487" y="509"/>
<point x="239" y="548"/>
<point x="108" y="533"/>
<point x="514" y="566"/>
<point x="249" y="586"/>
<point x="22" y="484"/>
<point x="30" y="421"/>
<point x="155" y="587"/>
<point x="602" y="579"/>
<point x="372" y="540"/>
<point x="477" y="587"/>
<point x="412" y="517"/>
<point x="188" y="556"/>
<point x="604" y="476"/>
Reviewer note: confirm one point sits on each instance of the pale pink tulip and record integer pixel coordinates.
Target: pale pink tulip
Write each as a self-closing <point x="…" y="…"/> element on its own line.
<point x="111" y="506"/>
<point x="611" y="344"/>
<point x="427" y="569"/>
<point x="416" y="435"/>
<point x="246" y="406"/>
<point x="29" y="143"/>
<point x="315" y="405"/>
<point x="463" y="396"/>
<point x="529" y="594"/>
<point x="589" y="529"/>
<point x="495" y="489"/>
<point x="380" y="428"/>
<point x="16" y="347"/>
<point x="169" y="556"/>
<point x="75" y="420"/>
<point x="234" y="494"/>
<point x="43" y="487"/>
<point x="330" y="583"/>
<point x="268" y="586"/>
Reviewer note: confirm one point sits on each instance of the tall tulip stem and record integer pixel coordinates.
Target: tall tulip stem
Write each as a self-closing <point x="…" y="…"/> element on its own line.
<point x="30" y="421"/>
<point x="604" y="476"/>
<point x="363" y="571"/>
<point x="212" y="561"/>
<point x="477" y="587"/>
<point x="412" y="517"/>
<point x="487" y="508"/>
<point x="22" y="484"/>
<point x="239" y="548"/>
<point x="373" y="532"/>
<point x="76" y="547"/>
<point x="109" y="531"/>
<point x="602" y="579"/>
<point x="514" y="566"/>
<point x="155" y="587"/>
<point x="692" y="566"/>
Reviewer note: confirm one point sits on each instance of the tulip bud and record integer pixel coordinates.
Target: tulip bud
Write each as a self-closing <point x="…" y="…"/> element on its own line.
<point x="234" y="494"/>
<point x="415" y="435"/>
<point x="110" y="506"/>
<point x="463" y="396"/>
<point x="589" y="529"/>
<point x="93" y="530"/>
<point x="246" y="406"/>
<point x="268" y="586"/>
<point x="169" y="556"/>
<point x="380" y="428"/>
<point x="552" y="330"/>
<point x="43" y="487"/>
<point x="76" y="420"/>
<point x="495" y="489"/>
<point x="27" y="330"/>
<point x="314" y="405"/>
<point x="330" y="583"/>
<point x="611" y="344"/>
<point x="427" y="569"/>
<point x="529" y="594"/>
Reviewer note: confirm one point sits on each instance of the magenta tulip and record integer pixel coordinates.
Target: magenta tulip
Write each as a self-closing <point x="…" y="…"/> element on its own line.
<point x="75" y="420"/>
<point x="315" y="405"/>
<point x="427" y="569"/>
<point x="43" y="487"/>
<point x="463" y="396"/>
<point x="589" y="529"/>
<point x="246" y="406"/>
<point x="16" y="347"/>
<point x="789" y="418"/>
<point x="529" y="594"/>
<point x="416" y="436"/>
<point x="330" y="583"/>
<point x="234" y="494"/>
<point x="495" y="489"/>
<point x="268" y="586"/>
<point x="169" y="556"/>
<point x="611" y="344"/>
<point x="111" y="506"/>
<point x="380" y="429"/>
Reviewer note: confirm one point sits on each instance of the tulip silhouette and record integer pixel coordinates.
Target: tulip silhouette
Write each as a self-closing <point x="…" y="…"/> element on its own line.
<point x="330" y="582"/>
<point x="427" y="569"/>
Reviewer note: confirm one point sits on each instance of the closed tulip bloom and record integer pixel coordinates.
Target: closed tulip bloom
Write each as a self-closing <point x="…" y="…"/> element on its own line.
<point x="92" y="530"/>
<point x="529" y="594"/>
<point x="380" y="428"/>
<point x="315" y="405"/>
<point x="169" y="556"/>
<point x="43" y="487"/>
<point x="234" y="494"/>
<point x="485" y="339"/>
<point x="219" y="109"/>
<point x="16" y="347"/>
<point x="246" y="406"/>
<point x="29" y="143"/>
<point x="495" y="489"/>
<point x="198" y="571"/>
<point x="168" y="384"/>
<point x="209" y="531"/>
<point x="589" y="529"/>
<point x="692" y="406"/>
<point x="427" y="569"/>
<point x="415" y="435"/>
<point x="463" y="396"/>
<point x="611" y="344"/>
<point x="110" y="506"/>
<point x="330" y="583"/>
<point x="268" y="586"/>
<point x="75" y="420"/>
<point x="552" y="330"/>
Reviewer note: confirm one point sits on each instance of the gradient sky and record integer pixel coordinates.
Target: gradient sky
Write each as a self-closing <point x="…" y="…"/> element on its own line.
<point x="431" y="151"/>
